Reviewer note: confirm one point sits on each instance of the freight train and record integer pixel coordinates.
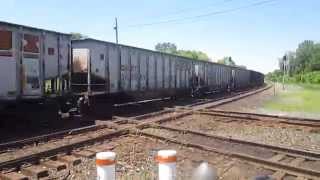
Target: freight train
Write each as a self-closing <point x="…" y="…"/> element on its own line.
<point x="42" y="67"/>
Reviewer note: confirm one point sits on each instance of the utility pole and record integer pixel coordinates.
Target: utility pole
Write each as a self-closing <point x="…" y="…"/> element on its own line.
<point x="116" y="29"/>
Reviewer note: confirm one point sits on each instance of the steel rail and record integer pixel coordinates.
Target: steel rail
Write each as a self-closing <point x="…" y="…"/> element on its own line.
<point x="47" y="137"/>
<point x="259" y="117"/>
<point x="35" y="157"/>
<point x="241" y="95"/>
<point x="206" y="101"/>
<point x="264" y="115"/>
<point x="265" y="162"/>
<point x="303" y="153"/>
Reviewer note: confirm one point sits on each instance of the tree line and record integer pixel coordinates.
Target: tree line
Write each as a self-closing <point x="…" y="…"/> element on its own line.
<point x="171" y="48"/>
<point x="301" y="65"/>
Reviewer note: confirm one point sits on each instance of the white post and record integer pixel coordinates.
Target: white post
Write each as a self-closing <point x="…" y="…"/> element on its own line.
<point x="106" y="169"/>
<point x="167" y="160"/>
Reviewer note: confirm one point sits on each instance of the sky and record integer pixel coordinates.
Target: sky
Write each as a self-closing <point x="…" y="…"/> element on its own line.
<point x="253" y="35"/>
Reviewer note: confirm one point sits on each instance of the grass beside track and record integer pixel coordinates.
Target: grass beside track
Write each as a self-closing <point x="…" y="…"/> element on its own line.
<point x="296" y="98"/>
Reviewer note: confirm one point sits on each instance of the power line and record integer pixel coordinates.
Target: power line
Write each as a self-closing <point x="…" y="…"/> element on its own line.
<point x="192" y="9"/>
<point x="182" y="11"/>
<point x="260" y="3"/>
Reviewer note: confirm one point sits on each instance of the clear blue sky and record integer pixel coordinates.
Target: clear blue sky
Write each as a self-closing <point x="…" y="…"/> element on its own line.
<point x="254" y="37"/>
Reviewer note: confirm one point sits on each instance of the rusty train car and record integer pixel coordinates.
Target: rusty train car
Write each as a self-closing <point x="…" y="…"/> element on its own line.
<point x="45" y="67"/>
<point x="35" y="68"/>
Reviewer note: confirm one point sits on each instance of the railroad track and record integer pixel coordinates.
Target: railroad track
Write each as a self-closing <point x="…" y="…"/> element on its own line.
<point x="262" y="117"/>
<point x="52" y="137"/>
<point x="71" y="154"/>
<point x="9" y="146"/>
<point x="70" y="149"/>
<point x="208" y="104"/>
<point x="282" y="160"/>
<point x="68" y="152"/>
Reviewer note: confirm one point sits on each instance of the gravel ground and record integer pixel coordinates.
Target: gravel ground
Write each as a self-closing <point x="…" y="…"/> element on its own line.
<point x="249" y="104"/>
<point x="135" y="161"/>
<point x="266" y="132"/>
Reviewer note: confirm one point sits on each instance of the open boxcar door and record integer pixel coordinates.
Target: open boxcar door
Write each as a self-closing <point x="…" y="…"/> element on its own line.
<point x="81" y="71"/>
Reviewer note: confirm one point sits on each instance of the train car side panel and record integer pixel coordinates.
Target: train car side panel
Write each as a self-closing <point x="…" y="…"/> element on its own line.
<point x="8" y="63"/>
<point x="143" y="71"/>
<point x="150" y="71"/>
<point x="172" y="73"/>
<point x="51" y="56"/>
<point x="125" y="69"/>
<point x="64" y="50"/>
<point x="114" y="67"/>
<point x="134" y="71"/>
<point x="166" y="60"/>
<point x="159" y="71"/>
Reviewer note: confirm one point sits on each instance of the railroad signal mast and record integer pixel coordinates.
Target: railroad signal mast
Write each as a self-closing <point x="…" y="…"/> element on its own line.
<point x="285" y="64"/>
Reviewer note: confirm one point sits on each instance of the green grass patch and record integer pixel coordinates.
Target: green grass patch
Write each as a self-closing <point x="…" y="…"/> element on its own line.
<point x="296" y="98"/>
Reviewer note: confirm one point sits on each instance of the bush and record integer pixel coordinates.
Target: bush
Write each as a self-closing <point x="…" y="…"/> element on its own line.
<point x="310" y="78"/>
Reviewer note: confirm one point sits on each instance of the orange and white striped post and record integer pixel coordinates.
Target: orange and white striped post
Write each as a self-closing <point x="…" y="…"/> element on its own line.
<point x="167" y="160"/>
<point x="106" y="169"/>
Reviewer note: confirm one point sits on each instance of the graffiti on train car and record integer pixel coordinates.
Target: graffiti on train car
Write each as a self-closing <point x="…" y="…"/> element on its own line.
<point x="131" y="72"/>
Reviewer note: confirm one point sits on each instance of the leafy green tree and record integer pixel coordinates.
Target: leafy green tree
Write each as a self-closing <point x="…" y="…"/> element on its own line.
<point x="274" y="76"/>
<point x="303" y="56"/>
<point x="171" y="48"/>
<point x="198" y="55"/>
<point x="166" y="47"/>
<point x="314" y="64"/>
<point x="304" y="63"/>
<point x="227" y="61"/>
<point x="291" y="60"/>
<point x="77" y="36"/>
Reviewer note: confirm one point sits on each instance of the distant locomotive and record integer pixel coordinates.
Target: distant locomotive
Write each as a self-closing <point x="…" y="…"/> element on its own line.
<point x="45" y="67"/>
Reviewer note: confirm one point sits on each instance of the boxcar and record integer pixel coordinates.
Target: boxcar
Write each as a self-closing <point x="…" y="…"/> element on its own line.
<point x="38" y="66"/>
<point x="34" y="63"/>
<point x="123" y="73"/>
<point x="128" y="72"/>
